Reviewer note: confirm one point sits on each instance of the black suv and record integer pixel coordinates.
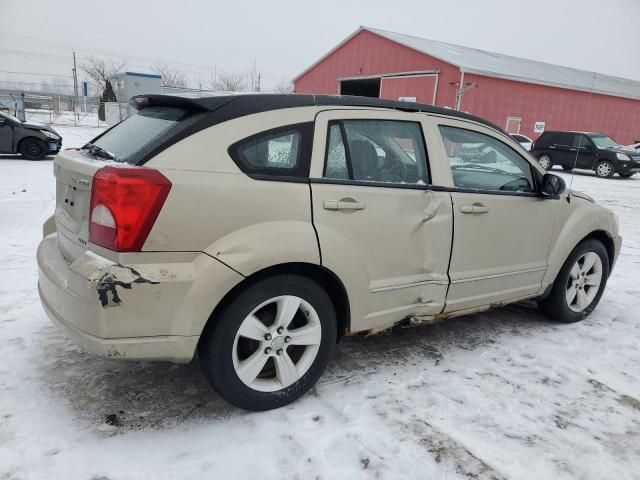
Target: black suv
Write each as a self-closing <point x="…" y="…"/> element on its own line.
<point x="32" y="140"/>
<point x="585" y="150"/>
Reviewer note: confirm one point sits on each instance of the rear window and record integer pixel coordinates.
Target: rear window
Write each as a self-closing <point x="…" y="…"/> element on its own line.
<point x="125" y="141"/>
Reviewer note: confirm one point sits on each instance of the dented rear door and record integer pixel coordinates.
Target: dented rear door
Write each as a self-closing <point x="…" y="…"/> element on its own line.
<point x="380" y="226"/>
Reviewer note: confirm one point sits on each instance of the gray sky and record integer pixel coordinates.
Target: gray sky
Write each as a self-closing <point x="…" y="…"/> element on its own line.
<point x="284" y="37"/>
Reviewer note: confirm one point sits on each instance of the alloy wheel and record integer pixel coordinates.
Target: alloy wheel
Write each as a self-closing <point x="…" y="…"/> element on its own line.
<point x="545" y="162"/>
<point x="34" y="149"/>
<point x="584" y="281"/>
<point x="276" y="343"/>
<point x="604" y="169"/>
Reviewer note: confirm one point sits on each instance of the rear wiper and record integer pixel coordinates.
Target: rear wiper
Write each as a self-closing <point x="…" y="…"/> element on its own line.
<point x="97" y="151"/>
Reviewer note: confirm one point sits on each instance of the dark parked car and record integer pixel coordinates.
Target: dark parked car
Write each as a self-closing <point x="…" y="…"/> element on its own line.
<point x="32" y="140"/>
<point x="586" y="150"/>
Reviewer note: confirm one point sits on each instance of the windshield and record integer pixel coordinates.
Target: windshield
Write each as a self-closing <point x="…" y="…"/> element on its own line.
<point x="128" y="138"/>
<point x="602" y="141"/>
<point x="11" y="117"/>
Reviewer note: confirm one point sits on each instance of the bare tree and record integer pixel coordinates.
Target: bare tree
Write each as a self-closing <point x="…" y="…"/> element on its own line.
<point x="230" y="83"/>
<point x="100" y="71"/>
<point x="170" y="76"/>
<point x="285" y="86"/>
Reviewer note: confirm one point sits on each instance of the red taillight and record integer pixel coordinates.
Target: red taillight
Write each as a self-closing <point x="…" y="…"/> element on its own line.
<point x="125" y="203"/>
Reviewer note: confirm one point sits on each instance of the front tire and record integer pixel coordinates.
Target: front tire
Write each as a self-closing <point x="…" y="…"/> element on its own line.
<point x="580" y="283"/>
<point x="604" y="169"/>
<point x="545" y="162"/>
<point x="270" y="344"/>
<point x="33" y="149"/>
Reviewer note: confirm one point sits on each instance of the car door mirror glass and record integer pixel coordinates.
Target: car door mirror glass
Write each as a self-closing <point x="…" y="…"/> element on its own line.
<point x="552" y="185"/>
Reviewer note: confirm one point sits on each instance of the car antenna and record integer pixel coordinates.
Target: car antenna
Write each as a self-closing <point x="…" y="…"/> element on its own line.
<point x="586" y="111"/>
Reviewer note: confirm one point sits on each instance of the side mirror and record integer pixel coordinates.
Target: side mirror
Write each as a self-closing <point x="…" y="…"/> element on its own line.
<point x="552" y="186"/>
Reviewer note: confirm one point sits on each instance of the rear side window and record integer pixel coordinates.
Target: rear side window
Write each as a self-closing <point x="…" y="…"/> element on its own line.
<point x="545" y="140"/>
<point x="384" y="151"/>
<point x="126" y="140"/>
<point x="565" y="139"/>
<point x="280" y="152"/>
<point x="581" y="140"/>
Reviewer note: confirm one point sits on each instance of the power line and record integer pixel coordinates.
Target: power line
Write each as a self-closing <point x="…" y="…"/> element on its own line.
<point x="34" y="73"/>
<point x="207" y="68"/>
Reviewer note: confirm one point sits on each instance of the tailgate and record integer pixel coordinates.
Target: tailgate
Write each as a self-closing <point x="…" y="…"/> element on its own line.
<point x="74" y="174"/>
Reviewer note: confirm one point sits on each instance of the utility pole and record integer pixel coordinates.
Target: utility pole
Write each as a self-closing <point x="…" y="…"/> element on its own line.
<point x="75" y="88"/>
<point x="258" y="89"/>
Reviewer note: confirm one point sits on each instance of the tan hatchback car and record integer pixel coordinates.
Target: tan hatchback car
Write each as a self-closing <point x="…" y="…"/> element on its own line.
<point x="259" y="229"/>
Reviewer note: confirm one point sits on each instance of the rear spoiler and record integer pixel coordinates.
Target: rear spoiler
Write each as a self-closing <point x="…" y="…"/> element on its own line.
<point x="203" y="105"/>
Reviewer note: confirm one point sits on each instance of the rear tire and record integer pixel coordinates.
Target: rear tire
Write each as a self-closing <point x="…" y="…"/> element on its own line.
<point x="270" y="344"/>
<point x="567" y="168"/>
<point x="33" y="149"/>
<point x="604" y="169"/>
<point x="579" y="285"/>
<point x="545" y="162"/>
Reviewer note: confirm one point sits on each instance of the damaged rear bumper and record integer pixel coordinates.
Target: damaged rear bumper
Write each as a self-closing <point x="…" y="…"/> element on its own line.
<point x="145" y="311"/>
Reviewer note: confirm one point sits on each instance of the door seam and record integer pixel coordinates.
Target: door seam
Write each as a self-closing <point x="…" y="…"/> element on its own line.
<point x="453" y="231"/>
<point x="313" y="223"/>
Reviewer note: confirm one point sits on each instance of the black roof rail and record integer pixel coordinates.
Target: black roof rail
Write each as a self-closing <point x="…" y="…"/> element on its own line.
<point x="239" y="105"/>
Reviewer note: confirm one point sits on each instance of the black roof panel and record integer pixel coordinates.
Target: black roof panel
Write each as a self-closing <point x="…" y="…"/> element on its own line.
<point x="228" y="107"/>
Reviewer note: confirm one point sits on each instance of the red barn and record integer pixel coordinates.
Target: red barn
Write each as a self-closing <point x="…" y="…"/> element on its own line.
<point x="514" y="93"/>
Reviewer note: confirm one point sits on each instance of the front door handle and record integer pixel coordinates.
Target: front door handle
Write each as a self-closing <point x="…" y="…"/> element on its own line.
<point x="343" y="204"/>
<point x="475" y="208"/>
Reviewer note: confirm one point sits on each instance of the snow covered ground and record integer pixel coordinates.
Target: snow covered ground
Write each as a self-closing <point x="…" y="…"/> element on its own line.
<point x="504" y="394"/>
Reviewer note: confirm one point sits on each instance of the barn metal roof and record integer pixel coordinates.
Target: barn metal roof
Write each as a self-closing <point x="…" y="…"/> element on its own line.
<point x="482" y="62"/>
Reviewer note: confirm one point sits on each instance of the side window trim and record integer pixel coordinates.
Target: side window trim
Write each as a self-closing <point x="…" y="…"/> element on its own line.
<point x="534" y="173"/>
<point x="349" y="165"/>
<point x="347" y="149"/>
<point x="299" y="173"/>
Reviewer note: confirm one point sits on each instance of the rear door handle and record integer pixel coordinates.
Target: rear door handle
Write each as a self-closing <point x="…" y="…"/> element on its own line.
<point x="343" y="204"/>
<point x="474" y="209"/>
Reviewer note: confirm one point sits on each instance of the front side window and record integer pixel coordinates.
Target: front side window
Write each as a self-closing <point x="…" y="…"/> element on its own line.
<point x="479" y="161"/>
<point x="384" y="151"/>
<point x="602" y="141"/>
<point x="279" y="152"/>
